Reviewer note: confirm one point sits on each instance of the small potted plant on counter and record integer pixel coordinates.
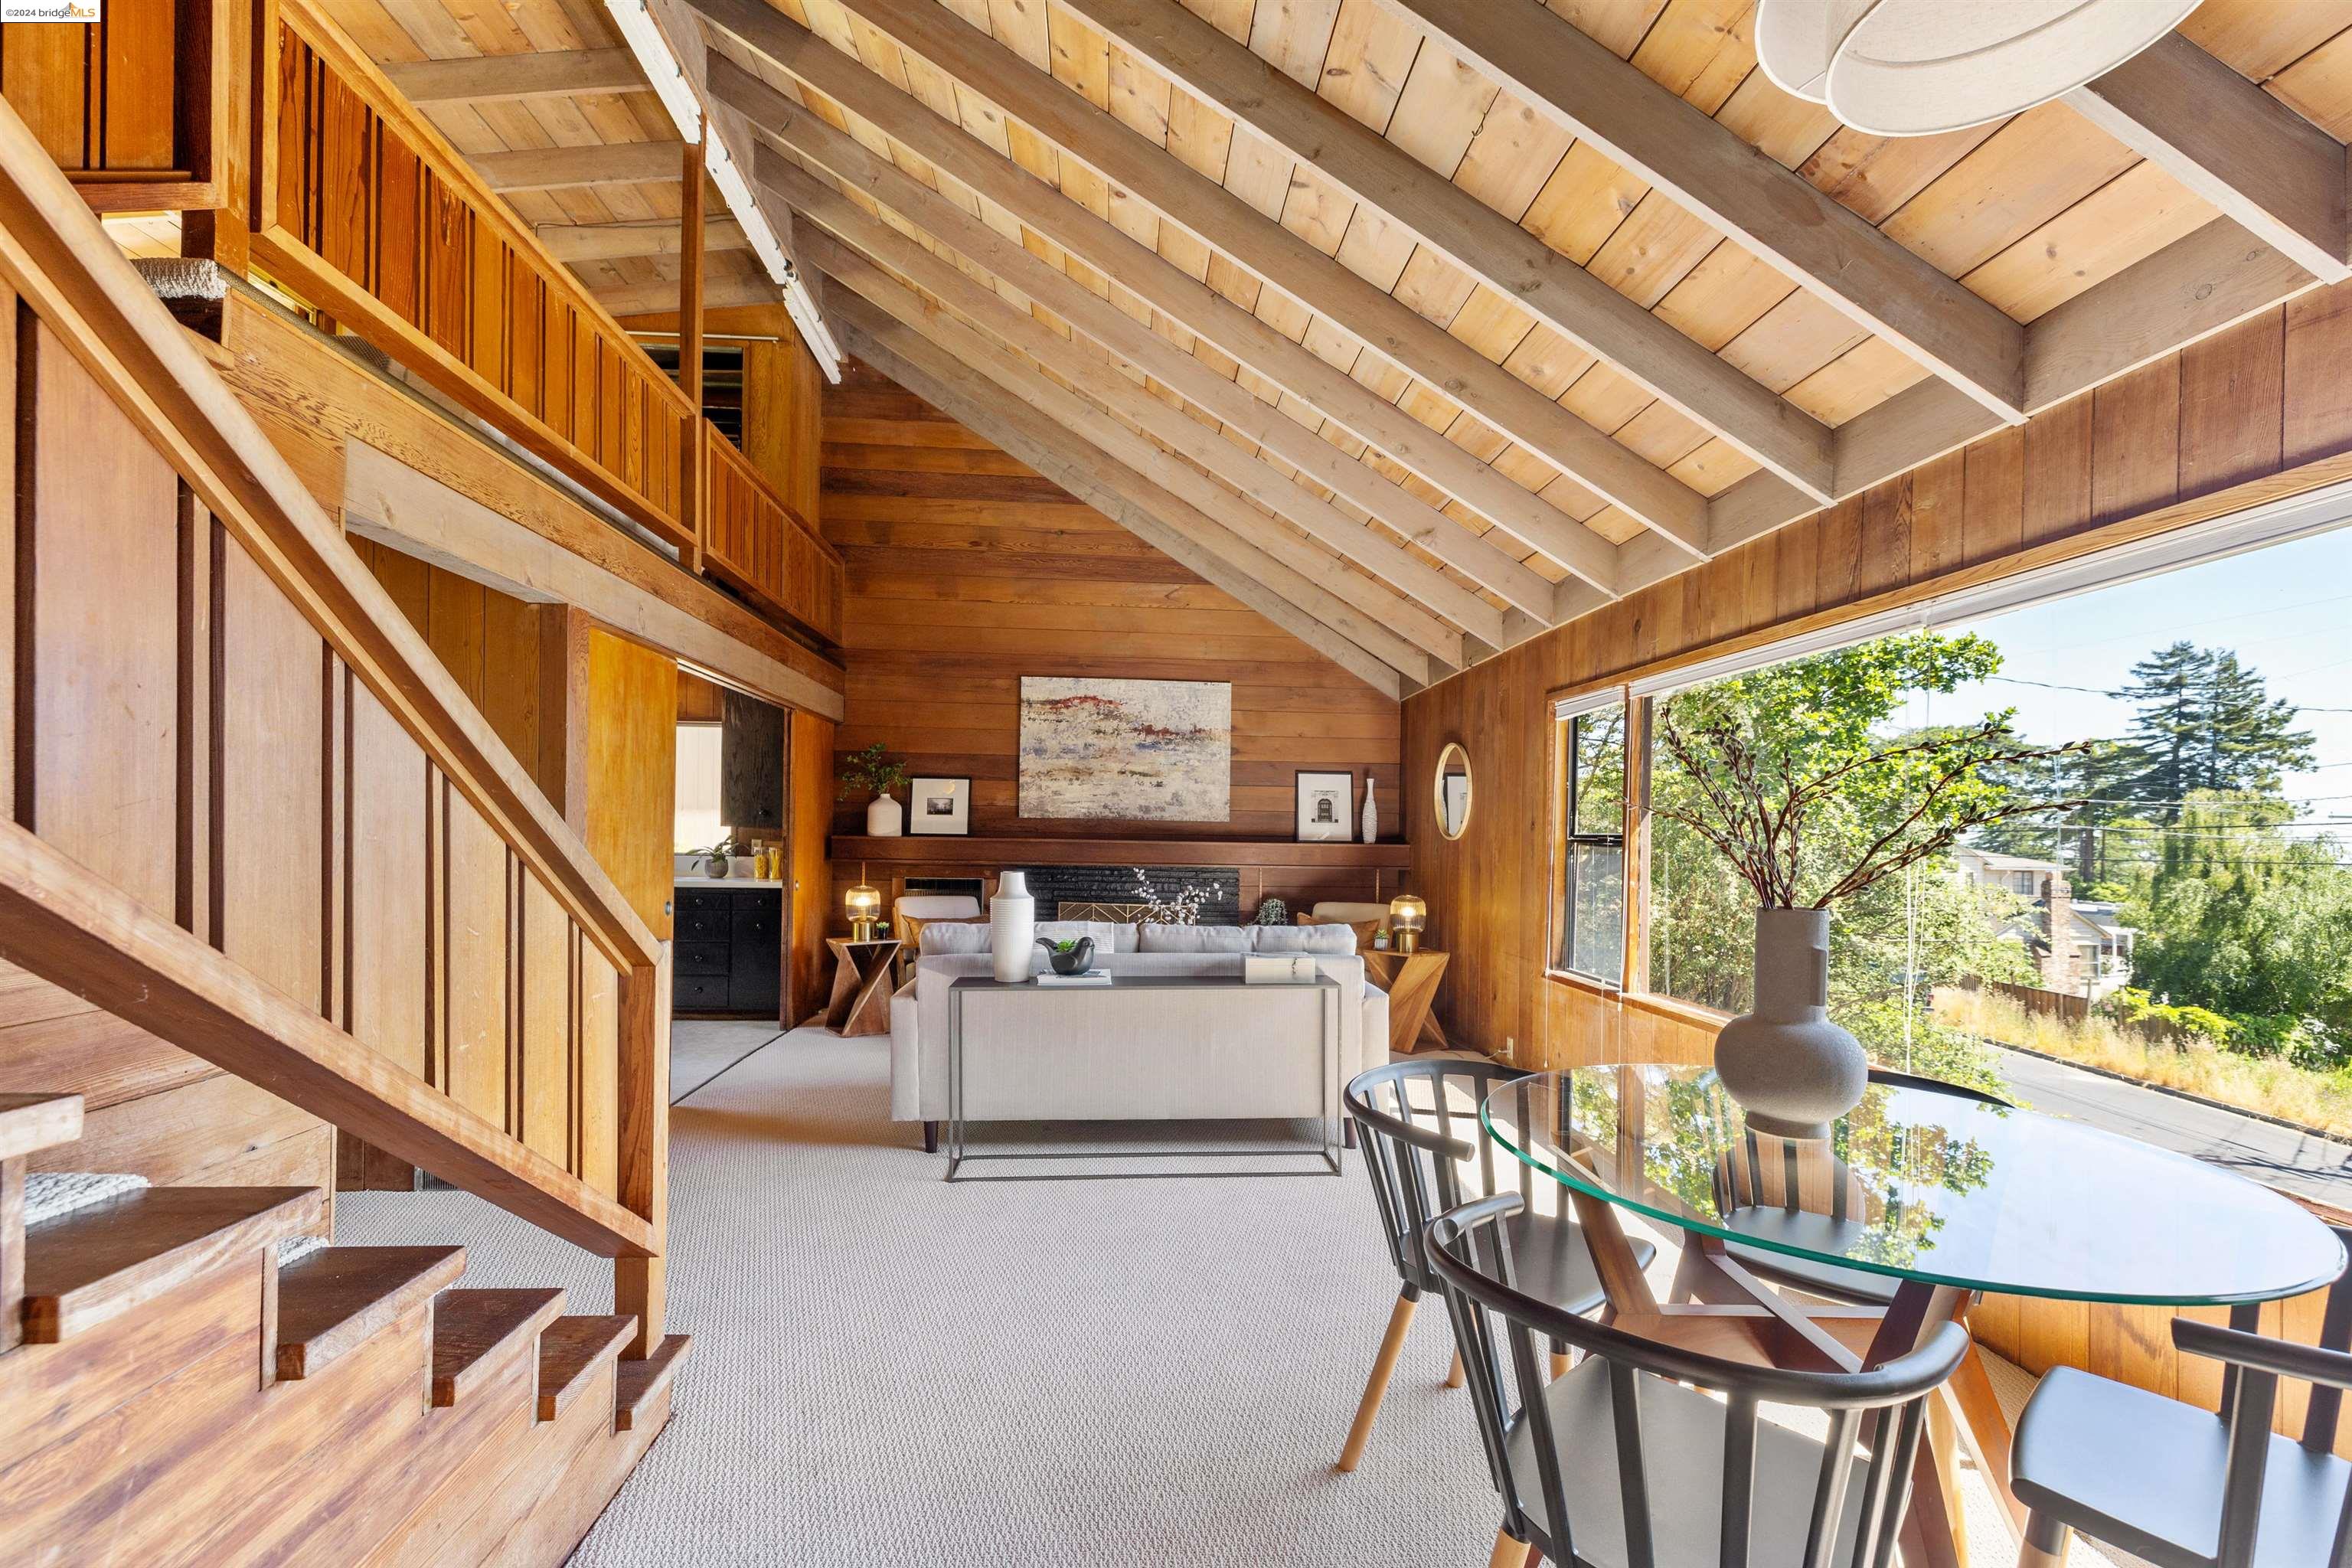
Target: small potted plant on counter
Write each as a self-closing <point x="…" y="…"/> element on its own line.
<point x="872" y="769"/>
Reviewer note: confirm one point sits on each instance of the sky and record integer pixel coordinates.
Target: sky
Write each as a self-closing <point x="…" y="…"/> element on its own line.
<point x="2286" y="611"/>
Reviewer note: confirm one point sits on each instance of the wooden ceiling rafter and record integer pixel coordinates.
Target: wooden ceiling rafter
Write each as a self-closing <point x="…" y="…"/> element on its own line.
<point x="1261" y="423"/>
<point x="598" y="164"/>
<point x="1449" y="221"/>
<point x="1605" y="471"/>
<point x="571" y="242"/>
<point x="2262" y="164"/>
<point x="1704" y="167"/>
<point x="1099" y="380"/>
<point x="489" y="79"/>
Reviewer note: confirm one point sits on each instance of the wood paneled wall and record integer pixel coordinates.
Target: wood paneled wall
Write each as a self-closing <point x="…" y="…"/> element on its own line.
<point x="136" y="107"/>
<point x="967" y="571"/>
<point x="784" y="414"/>
<point x="184" y="731"/>
<point x="2260" y="410"/>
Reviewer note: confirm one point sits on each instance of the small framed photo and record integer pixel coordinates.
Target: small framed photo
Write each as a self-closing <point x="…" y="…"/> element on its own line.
<point x="939" y="807"/>
<point x="1324" y="808"/>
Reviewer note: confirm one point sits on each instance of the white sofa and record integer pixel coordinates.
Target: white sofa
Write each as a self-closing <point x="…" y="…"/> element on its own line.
<point x="918" y="1010"/>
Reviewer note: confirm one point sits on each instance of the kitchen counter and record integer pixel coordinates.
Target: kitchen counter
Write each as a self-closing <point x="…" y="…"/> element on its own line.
<point x="725" y="882"/>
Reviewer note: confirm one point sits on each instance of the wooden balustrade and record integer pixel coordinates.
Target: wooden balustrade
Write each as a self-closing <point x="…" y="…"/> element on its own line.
<point x="763" y="546"/>
<point x="363" y="209"/>
<point x="251" y="811"/>
<point x="134" y="109"/>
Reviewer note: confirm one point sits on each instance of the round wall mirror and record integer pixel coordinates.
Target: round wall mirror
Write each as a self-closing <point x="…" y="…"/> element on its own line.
<point x="1452" y="790"/>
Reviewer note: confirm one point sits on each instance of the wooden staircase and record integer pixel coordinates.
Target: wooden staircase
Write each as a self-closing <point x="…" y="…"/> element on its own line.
<point x="174" y="1394"/>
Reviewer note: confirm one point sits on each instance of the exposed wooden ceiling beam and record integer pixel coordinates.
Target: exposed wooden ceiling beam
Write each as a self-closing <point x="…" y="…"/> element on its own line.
<point x="931" y="363"/>
<point x="2201" y="284"/>
<point x="1129" y="340"/>
<point x="1446" y="218"/>
<point x="1525" y="516"/>
<point x="2232" y="143"/>
<point x="569" y="242"/>
<point x="644" y="298"/>
<point x="1391" y="330"/>
<point x="486" y="77"/>
<point x="1548" y="62"/>
<point x="606" y="163"/>
<point x="1100" y="381"/>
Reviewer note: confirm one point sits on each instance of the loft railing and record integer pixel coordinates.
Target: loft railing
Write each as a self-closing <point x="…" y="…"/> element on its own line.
<point x="248" y="810"/>
<point x="753" y="540"/>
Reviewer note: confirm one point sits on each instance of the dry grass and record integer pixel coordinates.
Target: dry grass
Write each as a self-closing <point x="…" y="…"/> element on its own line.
<point x="2322" y="1101"/>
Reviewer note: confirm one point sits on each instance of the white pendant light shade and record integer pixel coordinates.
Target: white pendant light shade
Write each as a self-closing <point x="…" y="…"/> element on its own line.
<point x="1914" y="67"/>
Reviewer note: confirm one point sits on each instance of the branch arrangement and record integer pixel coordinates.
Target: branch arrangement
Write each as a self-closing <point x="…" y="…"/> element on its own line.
<point x="1754" y="810"/>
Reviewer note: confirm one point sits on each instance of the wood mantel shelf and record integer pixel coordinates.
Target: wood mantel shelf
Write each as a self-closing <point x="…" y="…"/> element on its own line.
<point x="929" y="850"/>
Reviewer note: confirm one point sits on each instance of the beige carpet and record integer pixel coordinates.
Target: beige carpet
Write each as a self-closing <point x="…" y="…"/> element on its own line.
<point x="889" y="1370"/>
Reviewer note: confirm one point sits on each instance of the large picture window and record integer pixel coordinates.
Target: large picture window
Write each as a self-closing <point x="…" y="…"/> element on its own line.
<point x="2186" y="921"/>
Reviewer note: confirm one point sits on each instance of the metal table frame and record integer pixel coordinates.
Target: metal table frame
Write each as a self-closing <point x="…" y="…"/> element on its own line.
<point x="1331" y="1151"/>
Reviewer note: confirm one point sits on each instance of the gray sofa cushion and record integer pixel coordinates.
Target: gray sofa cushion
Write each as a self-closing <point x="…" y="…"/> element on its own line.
<point x="1109" y="936"/>
<point x="1322" y="941"/>
<point x="1195" y="939"/>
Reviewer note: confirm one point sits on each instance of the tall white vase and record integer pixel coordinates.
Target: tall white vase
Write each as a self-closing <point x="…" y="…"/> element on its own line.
<point x="885" y="819"/>
<point x="1792" y="1069"/>
<point x="1013" y="927"/>
<point x="1372" y="815"/>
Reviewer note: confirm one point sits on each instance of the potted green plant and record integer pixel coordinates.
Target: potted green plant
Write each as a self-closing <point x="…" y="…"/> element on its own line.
<point x="873" y="770"/>
<point x="1787" y="824"/>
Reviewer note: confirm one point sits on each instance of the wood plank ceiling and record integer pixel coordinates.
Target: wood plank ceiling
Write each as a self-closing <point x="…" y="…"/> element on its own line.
<point x="1482" y="313"/>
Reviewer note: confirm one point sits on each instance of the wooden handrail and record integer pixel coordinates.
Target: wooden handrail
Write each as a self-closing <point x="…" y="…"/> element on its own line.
<point x="75" y="929"/>
<point x="59" y="258"/>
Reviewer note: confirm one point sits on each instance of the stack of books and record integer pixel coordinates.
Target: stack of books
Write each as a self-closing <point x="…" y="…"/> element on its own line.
<point x="1091" y="977"/>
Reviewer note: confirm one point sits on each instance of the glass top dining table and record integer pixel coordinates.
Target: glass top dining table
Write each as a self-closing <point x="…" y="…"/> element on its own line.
<point x="1922" y="1185"/>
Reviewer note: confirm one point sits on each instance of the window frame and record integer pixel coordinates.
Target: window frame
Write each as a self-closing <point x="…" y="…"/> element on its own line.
<point x="1637" y="690"/>
<point x="1632" y="840"/>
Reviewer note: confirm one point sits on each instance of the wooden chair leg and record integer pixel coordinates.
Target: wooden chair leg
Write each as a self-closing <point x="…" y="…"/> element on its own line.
<point x="1510" y="1552"/>
<point x="1377" y="1385"/>
<point x="2045" y="1543"/>
<point x="1454" y="1375"/>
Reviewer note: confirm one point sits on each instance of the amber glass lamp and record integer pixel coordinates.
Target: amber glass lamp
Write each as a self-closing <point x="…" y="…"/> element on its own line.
<point x="865" y="903"/>
<point x="1407" y="915"/>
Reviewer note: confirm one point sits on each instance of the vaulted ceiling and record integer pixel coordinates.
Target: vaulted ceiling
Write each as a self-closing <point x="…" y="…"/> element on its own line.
<point x="1472" y="313"/>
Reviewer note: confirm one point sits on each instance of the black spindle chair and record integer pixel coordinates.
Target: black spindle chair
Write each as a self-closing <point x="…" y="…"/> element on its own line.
<point x="1617" y="1463"/>
<point x="1426" y="1153"/>
<point x="2186" y="1488"/>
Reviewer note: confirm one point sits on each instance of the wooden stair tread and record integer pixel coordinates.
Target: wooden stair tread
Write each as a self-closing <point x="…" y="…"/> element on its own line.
<point x="637" y="1382"/>
<point x="571" y="1350"/>
<point x="473" y="1329"/>
<point x="104" y="1259"/>
<point x="31" y="1121"/>
<point x="335" y="1299"/>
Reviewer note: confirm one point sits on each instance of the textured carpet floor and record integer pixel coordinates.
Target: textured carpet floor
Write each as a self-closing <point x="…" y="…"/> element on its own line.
<point x="889" y="1370"/>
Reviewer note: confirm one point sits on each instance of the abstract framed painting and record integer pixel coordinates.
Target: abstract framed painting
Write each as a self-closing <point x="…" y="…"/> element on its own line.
<point x="1145" y="751"/>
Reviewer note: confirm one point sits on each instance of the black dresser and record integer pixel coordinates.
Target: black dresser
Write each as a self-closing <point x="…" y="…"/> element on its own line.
<point x="729" y="953"/>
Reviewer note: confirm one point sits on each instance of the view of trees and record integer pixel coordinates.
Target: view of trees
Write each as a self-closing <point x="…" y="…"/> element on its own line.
<point x="2245" y="916"/>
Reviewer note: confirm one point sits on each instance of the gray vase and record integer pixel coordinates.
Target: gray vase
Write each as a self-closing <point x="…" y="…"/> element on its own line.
<point x="1792" y="1070"/>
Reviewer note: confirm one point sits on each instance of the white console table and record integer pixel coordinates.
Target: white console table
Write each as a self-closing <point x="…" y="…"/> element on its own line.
<point x="1144" y="1049"/>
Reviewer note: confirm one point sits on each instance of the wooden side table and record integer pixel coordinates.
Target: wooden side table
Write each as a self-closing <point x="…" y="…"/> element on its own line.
<point x="860" y="1003"/>
<point x="1411" y="981"/>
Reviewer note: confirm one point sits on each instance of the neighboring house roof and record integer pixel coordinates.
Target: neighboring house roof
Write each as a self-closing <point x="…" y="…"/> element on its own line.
<point x="1993" y="861"/>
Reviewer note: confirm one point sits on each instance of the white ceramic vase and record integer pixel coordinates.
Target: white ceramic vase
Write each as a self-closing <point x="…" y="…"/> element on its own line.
<point x="886" y="818"/>
<point x="1013" y="927"/>
<point x="1792" y="1070"/>
<point x="1372" y="815"/>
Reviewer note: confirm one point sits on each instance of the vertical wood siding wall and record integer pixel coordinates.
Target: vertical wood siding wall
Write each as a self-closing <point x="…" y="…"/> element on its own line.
<point x="967" y="571"/>
<point x="182" y="730"/>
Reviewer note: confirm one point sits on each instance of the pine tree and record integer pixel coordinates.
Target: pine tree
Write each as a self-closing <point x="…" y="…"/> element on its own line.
<point x="2205" y="722"/>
